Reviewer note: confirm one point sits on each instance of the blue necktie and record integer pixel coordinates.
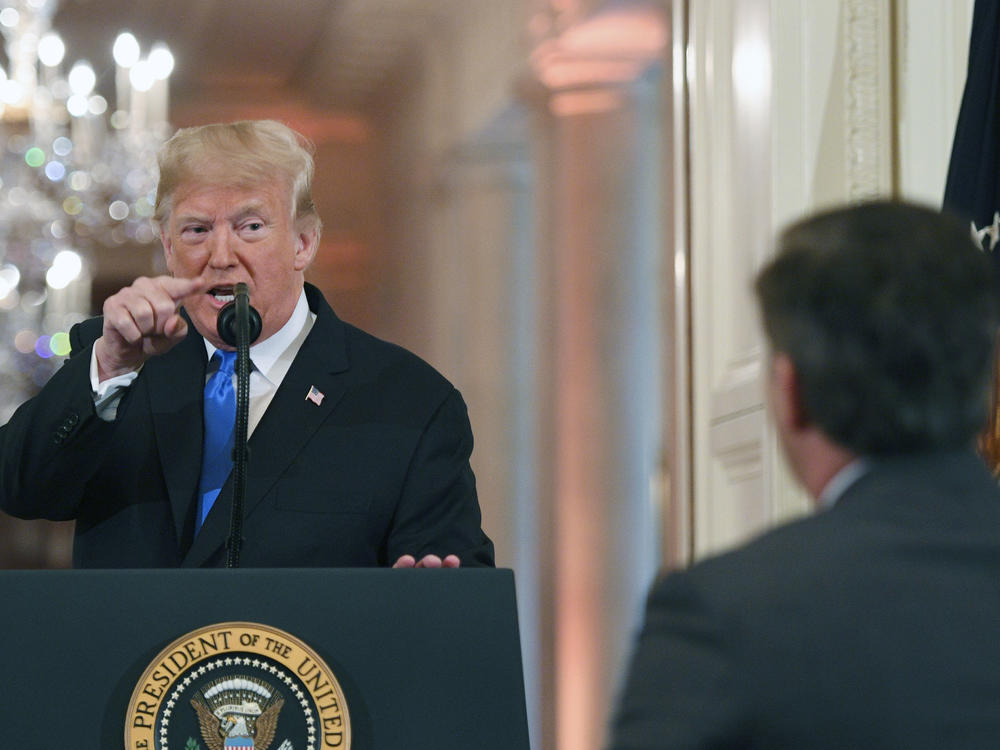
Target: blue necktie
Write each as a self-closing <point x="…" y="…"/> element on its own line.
<point x="220" y="419"/>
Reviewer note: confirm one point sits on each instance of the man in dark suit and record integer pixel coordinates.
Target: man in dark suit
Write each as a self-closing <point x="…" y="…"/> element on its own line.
<point x="872" y="623"/>
<point x="359" y="451"/>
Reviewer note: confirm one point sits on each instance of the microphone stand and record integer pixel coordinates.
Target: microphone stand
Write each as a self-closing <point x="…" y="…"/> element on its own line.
<point x="239" y="325"/>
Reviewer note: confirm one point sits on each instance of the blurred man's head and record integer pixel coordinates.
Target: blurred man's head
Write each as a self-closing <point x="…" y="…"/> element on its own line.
<point x="884" y="317"/>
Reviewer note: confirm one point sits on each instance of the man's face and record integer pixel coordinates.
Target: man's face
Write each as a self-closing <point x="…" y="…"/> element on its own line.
<point x="232" y="234"/>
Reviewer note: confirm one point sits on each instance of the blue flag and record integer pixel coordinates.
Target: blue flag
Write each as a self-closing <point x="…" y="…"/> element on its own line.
<point x="972" y="190"/>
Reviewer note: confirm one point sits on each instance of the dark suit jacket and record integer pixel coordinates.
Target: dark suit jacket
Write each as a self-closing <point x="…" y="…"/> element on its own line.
<point x="379" y="469"/>
<point x="875" y="624"/>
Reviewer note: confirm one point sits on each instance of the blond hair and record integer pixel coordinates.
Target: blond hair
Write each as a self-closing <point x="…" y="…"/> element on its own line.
<point x="241" y="154"/>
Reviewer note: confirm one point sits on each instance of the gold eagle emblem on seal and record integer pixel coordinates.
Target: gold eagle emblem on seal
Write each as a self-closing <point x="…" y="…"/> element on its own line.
<point x="237" y="686"/>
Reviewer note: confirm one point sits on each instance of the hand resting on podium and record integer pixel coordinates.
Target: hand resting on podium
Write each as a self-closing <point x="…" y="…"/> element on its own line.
<point x="427" y="561"/>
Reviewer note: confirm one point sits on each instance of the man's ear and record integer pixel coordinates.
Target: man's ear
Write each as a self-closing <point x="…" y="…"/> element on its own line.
<point x="306" y="244"/>
<point x="789" y="408"/>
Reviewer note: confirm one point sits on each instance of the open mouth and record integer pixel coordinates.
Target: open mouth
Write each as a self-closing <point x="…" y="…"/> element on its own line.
<point x="222" y="294"/>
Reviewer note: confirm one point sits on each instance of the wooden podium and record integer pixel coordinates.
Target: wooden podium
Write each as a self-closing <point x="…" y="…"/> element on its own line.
<point x="426" y="659"/>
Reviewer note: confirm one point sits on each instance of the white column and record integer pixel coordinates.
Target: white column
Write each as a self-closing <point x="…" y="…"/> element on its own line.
<point x="484" y="308"/>
<point x="600" y="335"/>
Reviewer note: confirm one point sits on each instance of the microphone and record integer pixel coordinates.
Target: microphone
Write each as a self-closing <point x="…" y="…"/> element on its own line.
<point x="235" y="313"/>
<point x="239" y="325"/>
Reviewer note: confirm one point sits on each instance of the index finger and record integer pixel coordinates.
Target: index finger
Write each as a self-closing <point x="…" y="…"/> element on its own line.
<point x="179" y="288"/>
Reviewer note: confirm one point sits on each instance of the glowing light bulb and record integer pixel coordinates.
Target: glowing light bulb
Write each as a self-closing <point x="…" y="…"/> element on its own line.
<point x="9" y="17"/>
<point x="10" y="277"/>
<point x="51" y="49"/>
<point x="66" y="267"/>
<point x="141" y="76"/>
<point x="161" y="60"/>
<point x="82" y="79"/>
<point x="126" y="50"/>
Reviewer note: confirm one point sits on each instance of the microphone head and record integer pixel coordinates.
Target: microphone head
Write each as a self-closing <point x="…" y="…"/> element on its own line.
<point x="226" y="324"/>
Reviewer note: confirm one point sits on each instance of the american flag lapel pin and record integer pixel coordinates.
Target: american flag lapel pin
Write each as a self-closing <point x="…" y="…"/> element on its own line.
<point x="315" y="395"/>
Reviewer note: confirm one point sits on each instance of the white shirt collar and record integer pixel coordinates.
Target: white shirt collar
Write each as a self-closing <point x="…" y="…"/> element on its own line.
<point x="841" y="482"/>
<point x="266" y="354"/>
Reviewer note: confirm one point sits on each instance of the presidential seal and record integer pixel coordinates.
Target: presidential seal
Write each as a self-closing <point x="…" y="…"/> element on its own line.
<point x="237" y="686"/>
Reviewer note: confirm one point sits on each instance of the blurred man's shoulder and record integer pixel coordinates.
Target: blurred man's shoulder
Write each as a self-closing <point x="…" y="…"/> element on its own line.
<point x="785" y="559"/>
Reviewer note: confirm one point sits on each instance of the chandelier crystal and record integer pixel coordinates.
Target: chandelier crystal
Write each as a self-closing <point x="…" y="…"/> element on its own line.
<point x="76" y="174"/>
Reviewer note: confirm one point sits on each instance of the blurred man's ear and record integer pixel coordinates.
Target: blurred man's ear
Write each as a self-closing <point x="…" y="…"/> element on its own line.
<point x="786" y="395"/>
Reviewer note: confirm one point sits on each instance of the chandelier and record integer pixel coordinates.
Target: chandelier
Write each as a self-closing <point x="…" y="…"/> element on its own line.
<point x="77" y="173"/>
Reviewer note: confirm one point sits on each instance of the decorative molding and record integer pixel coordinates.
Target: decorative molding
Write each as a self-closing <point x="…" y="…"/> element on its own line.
<point x="738" y="444"/>
<point x="867" y="52"/>
<point x="742" y="384"/>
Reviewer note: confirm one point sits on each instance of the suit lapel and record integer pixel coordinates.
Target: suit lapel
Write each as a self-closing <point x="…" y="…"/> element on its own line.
<point x="287" y="425"/>
<point x="175" y="385"/>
